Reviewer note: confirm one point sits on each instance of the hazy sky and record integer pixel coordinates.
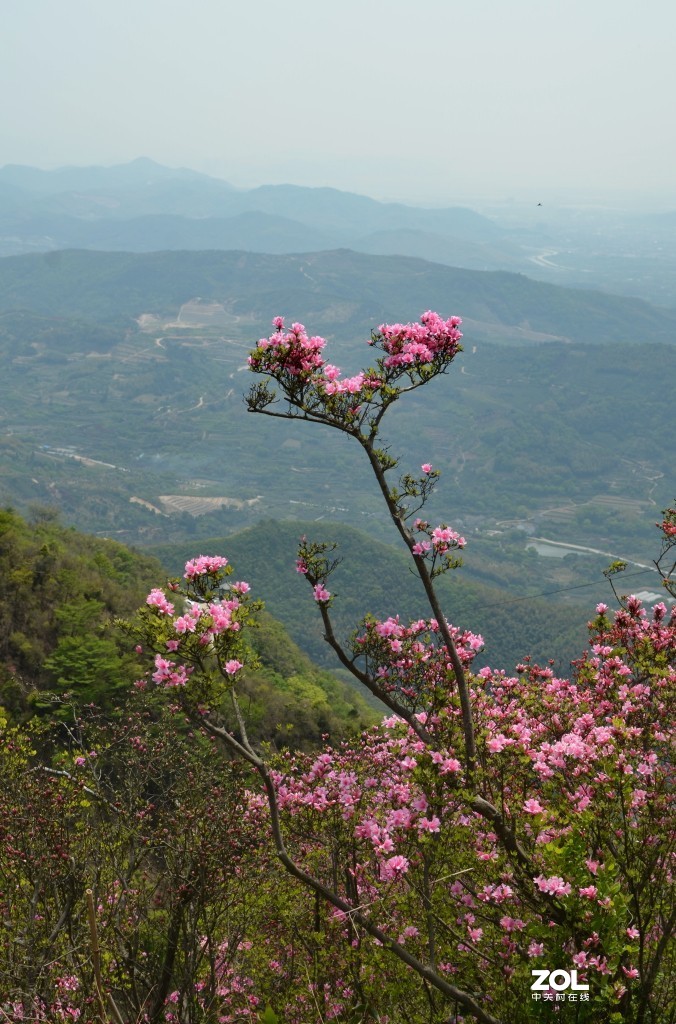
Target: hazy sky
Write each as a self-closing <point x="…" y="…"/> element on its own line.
<point x="425" y="100"/>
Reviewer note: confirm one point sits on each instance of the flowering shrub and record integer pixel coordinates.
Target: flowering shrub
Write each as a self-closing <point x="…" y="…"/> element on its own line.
<point x="154" y="822"/>
<point x="204" y="636"/>
<point x="559" y="876"/>
<point x="494" y="823"/>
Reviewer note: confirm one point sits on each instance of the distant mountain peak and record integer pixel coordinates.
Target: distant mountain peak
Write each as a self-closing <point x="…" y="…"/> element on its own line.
<point x="134" y="173"/>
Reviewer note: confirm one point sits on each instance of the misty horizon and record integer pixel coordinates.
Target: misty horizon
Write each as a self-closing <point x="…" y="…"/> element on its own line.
<point x="441" y="104"/>
<point x="594" y="200"/>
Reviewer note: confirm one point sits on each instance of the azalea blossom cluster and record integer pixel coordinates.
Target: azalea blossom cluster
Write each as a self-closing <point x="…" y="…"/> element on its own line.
<point x="598" y="736"/>
<point x="209" y="622"/>
<point x="295" y="358"/>
<point x="400" y="808"/>
<point x="432" y="339"/>
<point x="375" y="791"/>
<point x="204" y="564"/>
<point x="439" y="539"/>
<point x="668" y="524"/>
<point x="234" y="990"/>
<point x="37" y="1011"/>
<point x="574" y="763"/>
<point x="332" y="385"/>
<point x="291" y="351"/>
<point x="412" y="660"/>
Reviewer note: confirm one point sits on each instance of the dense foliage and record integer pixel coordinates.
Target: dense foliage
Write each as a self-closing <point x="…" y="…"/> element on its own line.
<point x="59" y="591"/>
<point x="152" y="824"/>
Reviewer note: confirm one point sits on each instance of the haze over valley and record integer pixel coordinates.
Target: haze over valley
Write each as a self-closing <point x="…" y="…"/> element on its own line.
<point x="142" y="206"/>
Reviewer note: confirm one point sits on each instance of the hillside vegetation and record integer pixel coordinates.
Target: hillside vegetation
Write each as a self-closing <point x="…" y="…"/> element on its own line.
<point x="60" y="591"/>
<point x="343" y="293"/>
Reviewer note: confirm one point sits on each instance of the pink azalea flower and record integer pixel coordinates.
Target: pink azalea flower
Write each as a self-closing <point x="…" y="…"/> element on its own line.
<point x="512" y="924"/>
<point x="157" y="599"/>
<point x="555" y="885"/>
<point x="533" y="807"/>
<point x="393" y="867"/>
<point x="429" y="824"/>
<point x="186" y="623"/>
<point x="498" y="743"/>
<point x="204" y="564"/>
<point x="426" y="467"/>
<point x="68" y="983"/>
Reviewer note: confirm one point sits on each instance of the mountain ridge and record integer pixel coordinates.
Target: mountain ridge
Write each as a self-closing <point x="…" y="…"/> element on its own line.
<point x="337" y="292"/>
<point x="42" y="211"/>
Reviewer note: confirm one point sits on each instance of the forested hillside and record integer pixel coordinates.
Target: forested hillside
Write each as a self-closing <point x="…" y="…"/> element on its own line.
<point x="121" y="400"/>
<point x="60" y="592"/>
<point x="343" y="293"/>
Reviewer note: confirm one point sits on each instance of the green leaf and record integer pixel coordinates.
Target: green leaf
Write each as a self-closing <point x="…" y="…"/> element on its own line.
<point x="270" y="1017"/>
